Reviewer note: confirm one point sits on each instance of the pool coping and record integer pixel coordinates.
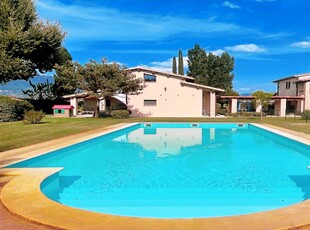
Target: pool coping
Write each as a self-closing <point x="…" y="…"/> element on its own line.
<point x="22" y="197"/>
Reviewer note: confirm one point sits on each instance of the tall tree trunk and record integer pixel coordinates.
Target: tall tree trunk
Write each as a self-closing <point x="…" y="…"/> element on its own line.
<point x="96" y="112"/>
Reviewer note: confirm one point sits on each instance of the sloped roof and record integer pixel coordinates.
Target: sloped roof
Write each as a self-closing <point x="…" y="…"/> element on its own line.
<point x="301" y="77"/>
<point x="203" y="87"/>
<point x="77" y="95"/>
<point x="273" y="97"/>
<point x="153" y="71"/>
<point x="181" y="77"/>
<point x="63" y="107"/>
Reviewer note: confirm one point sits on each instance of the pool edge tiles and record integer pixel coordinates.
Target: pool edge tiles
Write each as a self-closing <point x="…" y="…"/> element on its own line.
<point x="66" y="217"/>
<point x="283" y="132"/>
<point x="24" y="192"/>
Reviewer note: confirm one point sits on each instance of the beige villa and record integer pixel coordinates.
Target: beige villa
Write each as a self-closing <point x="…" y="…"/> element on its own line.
<point x="294" y="93"/>
<point x="172" y="95"/>
<point x="164" y="95"/>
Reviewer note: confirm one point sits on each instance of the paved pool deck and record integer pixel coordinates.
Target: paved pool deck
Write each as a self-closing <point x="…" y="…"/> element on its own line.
<point x="22" y="197"/>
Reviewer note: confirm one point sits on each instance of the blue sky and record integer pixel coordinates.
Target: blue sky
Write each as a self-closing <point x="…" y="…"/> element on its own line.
<point x="269" y="39"/>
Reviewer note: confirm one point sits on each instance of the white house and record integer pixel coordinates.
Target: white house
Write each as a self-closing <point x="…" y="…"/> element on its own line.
<point x="171" y="95"/>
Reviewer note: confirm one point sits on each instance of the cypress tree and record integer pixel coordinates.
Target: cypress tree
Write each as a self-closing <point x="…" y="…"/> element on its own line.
<point x="180" y="67"/>
<point x="174" y="65"/>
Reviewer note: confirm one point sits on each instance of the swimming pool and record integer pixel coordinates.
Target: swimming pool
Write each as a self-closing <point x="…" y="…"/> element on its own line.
<point x="180" y="171"/>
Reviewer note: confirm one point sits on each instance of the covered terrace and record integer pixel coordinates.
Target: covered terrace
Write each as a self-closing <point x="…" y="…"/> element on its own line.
<point x="283" y="105"/>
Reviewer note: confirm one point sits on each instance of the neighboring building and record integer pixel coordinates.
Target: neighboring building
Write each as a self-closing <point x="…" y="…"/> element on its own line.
<point x="292" y="97"/>
<point x="171" y="95"/>
<point x="164" y="95"/>
<point x="294" y="92"/>
<point x="63" y="110"/>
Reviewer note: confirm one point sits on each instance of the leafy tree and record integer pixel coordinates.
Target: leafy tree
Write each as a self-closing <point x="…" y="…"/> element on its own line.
<point x="197" y="58"/>
<point x="180" y="66"/>
<point x="262" y="99"/>
<point x="27" y="45"/>
<point x="210" y="69"/>
<point x="230" y="92"/>
<point x="65" y="81"/>
<point x="174" y="65"/>
<point x="62" y="85"/>
<point x="102" y="80"/>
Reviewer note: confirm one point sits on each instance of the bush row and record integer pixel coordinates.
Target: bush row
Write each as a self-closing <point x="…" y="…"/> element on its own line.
<point x="247" y="114"/>
<point x="12" y="109"/>
<point x="120" y="114"/>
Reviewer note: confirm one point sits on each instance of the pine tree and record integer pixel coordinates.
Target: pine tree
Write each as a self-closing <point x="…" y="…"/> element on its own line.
<point x="180" y="66"/>
<point x="210" y="69"/>
<point x="174" y="65"/>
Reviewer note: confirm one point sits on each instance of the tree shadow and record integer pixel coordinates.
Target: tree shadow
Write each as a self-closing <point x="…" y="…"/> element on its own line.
<point x="137" y="113"/>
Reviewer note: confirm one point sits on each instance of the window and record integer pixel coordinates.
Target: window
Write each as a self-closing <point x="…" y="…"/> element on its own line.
<point x="61" y="111"/>
<point x="288" y="85"/>
<point x="149" y="102"/>
<point x="149" y="78"/>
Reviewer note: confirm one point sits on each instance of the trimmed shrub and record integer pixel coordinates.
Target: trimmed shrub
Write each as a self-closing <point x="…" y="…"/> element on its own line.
<point x="33" y="117"/>
<point x="120" y="114"/>
<point x="234" y="114"/>
<point x="247" y="114"/>
<point x="224" y="112"/>
<point x="12" y="109"/>
<point x="305" y="115"/>
<point x="256" y="114"/>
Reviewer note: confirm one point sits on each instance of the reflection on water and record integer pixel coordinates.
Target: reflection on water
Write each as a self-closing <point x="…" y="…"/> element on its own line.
<point x="170" y="141"/>
<point x="166" y="141"/>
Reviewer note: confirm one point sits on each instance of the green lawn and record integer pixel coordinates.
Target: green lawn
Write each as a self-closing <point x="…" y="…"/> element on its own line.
<point x="16" y="134"/>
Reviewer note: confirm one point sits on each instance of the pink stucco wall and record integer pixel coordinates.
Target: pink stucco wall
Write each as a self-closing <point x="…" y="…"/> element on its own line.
<point x="307" y="95"/>
<point x="172" y="99"/>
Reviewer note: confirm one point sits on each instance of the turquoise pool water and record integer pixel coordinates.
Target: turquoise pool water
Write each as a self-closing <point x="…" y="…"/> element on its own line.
<point x="180" y="171"/>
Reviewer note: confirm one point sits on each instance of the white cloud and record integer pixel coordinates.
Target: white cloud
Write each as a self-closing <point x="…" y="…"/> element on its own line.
<point x="231" y="5"/>
<point x="93" y="23"/>
<point x="303" y="44"/>
<point x="245" y="89"/>
<point x="166" y="65"/>
<point x="266" y="0"/>
<point x="247" y="48"/>
<point x="217" y="52"/>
